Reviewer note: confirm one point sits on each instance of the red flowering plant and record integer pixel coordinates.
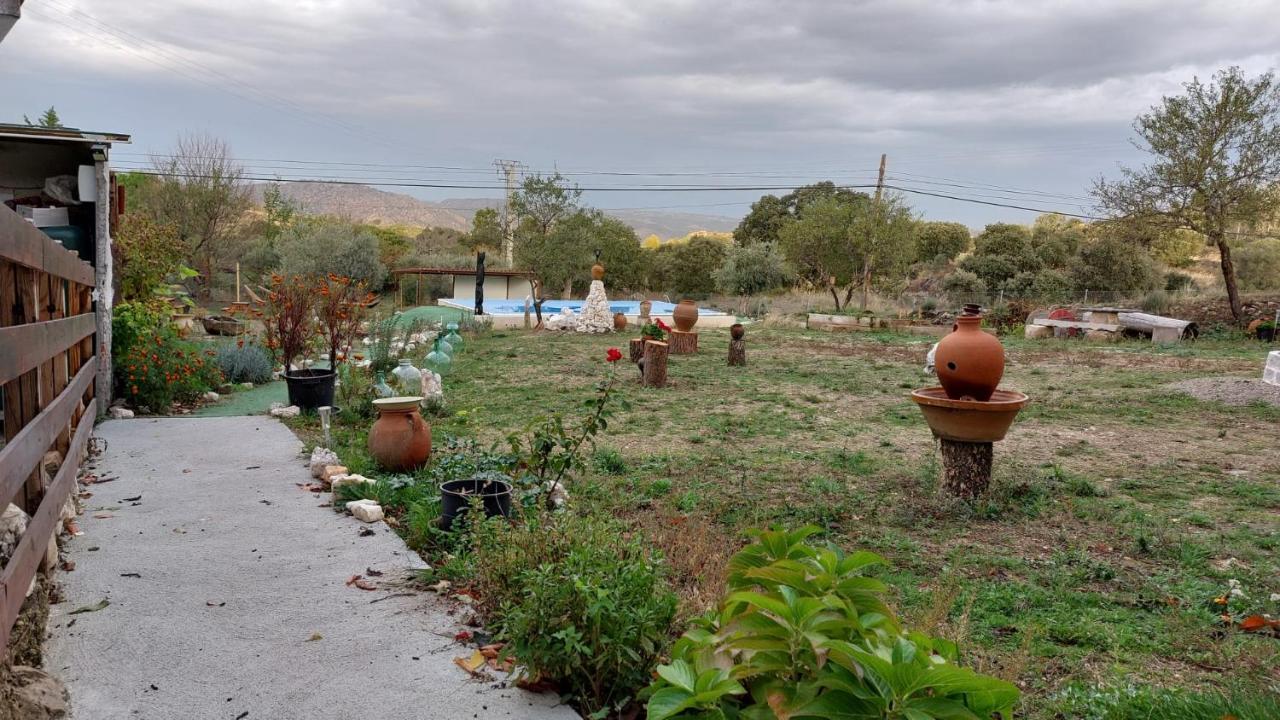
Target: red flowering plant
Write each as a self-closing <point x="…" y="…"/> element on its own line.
<point x="656" y="330"/>
<point x="160" y="368"/>
<point x="288" y="312"/>
<point x="548" y="451"/>
<point x="340" y="307"/>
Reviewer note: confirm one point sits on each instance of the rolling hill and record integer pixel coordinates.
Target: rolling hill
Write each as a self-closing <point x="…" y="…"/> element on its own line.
<point x="371" y="205"/>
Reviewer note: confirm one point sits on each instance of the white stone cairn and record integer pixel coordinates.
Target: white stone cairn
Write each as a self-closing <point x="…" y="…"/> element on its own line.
<point x="596" y="316"/>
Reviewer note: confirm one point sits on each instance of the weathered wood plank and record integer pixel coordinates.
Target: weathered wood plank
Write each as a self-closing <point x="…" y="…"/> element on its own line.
<point x="23" y="244"/>
<point x="26" y="347"/>
<point x="1078" y="324"/>
<point x="21" y="568"/>
<point x="20" y="457"/>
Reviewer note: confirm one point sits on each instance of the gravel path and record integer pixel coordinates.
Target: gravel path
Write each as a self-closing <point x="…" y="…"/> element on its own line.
<point x="227" y="595"/>
<point x="1229" y="390"/>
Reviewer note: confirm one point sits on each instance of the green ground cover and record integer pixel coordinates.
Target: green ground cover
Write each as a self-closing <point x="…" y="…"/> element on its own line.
<point x="1119" y="509"/>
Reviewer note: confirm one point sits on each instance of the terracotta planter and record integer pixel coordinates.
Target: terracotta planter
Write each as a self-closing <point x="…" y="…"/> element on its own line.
<point x="645" y="307"/>
<point x="969" y="421"/>
<point x="619" y="321"/>
<point x="969" y="362"/>
<point x="685" y="315"/>
<point x="400" y="439"/>
<point x="736" y="331"/>
<point x="597" y="272"/>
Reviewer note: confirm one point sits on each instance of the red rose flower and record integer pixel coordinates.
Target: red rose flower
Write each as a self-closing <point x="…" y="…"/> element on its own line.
<point x="614" y="355"/>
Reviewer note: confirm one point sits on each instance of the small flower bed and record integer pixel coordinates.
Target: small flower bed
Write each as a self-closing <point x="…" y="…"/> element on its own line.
<point x="160" y="368"/>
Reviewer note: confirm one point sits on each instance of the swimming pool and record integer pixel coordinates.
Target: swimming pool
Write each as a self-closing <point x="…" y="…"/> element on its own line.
<point x="509" y="312"/>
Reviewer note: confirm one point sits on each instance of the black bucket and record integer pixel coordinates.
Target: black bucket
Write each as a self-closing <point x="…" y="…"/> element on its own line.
<point x="456" y="496"/>
<point x="310" y="389"/>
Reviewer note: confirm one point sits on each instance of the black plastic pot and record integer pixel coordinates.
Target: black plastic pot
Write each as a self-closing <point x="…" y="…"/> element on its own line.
<point x="1266" y="334"/>
<point x="310" y="389"/>
<point x="456" y="497"/>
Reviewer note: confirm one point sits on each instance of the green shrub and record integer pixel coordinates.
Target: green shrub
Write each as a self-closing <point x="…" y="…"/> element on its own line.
<point x="322" y="247"/>
<point x="244" y="362"/>
<point x="944" y="240"/>
<point x="752" y="269"/>
<point x="1112" y="264"/>
<point x="1176" y="282"/>
<point x="1258" y="264"/>
<point x="686" y="268"/>
<point x="993" y="270"/>
<point x="1177" y="248"/>
<point x="963" y="283"/>
<point x="132" y="320"/>
<point x="1021" y="285"/>
<point x="160" y="368"/>
<point x="580" y="604"/>
<point x="804" y="632"/>
<point x="1156" y="302"/>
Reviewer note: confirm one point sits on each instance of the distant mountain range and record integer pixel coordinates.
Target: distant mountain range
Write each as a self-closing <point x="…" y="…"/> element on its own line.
<point x="371" y="205"/>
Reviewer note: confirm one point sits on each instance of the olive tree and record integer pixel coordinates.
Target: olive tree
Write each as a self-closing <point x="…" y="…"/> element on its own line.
<point x="1215" y="151"/>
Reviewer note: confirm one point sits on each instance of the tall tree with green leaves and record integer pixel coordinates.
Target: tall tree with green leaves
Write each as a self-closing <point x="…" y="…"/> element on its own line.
<point x="486" y="231"/>
<point x="544" y="200"/>
<point x="1215" y="153"/>
<point x="771" y="213"/>
<point x="49" y="119"/>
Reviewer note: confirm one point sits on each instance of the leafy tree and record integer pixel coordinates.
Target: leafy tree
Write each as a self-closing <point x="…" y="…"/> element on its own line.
<point x="542" y="201"/>
<point x="963" y="284"/>
<point x="1050" y="284"/>
<point x="1001" y="251"/>
<point x="200" y="190"/>
<point x="687" y="269"/>
<point x="49" y="119"/>
<point x="393" y="243"/>
<point x="279" y="213"/>
<point x="1110" y="263"/>
<point x="323" y="245"/>
<point x="1215" y="152"/>
<point x="941" y="240"/>
<point x="770" y="213"/>
<point x="1178" y="247"/>
<point x="564" y="256"/>
<point x="1055" y="239"/>
<point x="486" y="231"/>
<point x="144" y="253"/>
<point x="653" y="242"/>
<point x="753" y="269"/>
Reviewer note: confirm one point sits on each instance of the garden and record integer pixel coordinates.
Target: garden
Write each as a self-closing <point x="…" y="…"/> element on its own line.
<point x="772" y="539"/>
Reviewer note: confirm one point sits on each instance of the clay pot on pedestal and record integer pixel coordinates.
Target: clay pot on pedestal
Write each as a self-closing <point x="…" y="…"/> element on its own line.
<point x="685" y="315"/>
<point x="645" y="307"/>
<point x="736" y="331"/>
<point x="619" y="321"/>
<point x="597" y="272"/>
<point x="969" y="361"/>
<point x="400" y="439"/>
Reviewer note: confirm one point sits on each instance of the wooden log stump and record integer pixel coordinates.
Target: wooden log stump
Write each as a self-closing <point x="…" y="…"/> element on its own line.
<point x="655" y="364"/>
<point x="637" y="349"/>
<point x="683" y="343"/>
<point x="966" y="468"/>
<point x="737" y="352"/>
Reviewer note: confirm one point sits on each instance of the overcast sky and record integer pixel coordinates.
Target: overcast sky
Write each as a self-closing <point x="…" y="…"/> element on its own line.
<point x="1031" y="96"/>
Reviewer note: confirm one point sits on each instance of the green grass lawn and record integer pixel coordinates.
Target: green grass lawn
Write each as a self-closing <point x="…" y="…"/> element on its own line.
<point x="1118" y="512"/>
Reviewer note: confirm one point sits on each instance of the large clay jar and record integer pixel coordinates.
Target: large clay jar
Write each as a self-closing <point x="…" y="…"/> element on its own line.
<point x="645" y="307"/>
<point x="969" y="361"/>
<point x="685" y="315"/>
<point x="400" y="440"/>
<point x="597" y="272"/>
<point x="736" y="331"/>
<point x="619" y="321"/>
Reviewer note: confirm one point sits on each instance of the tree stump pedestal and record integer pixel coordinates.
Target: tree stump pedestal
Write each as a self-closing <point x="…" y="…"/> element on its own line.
<point x="683" y="343"/>
<point x="636" y="349"/>
<point x="655" y="364"/>
<point x="966" y="467"/>
<point x="737" y="352"/>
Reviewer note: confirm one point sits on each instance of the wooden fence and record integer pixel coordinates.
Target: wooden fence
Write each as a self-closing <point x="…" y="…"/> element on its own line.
<point x="47" y="368"/>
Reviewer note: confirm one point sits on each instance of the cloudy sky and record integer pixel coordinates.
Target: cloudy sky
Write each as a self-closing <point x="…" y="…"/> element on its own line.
<point x="1018" y="102"/>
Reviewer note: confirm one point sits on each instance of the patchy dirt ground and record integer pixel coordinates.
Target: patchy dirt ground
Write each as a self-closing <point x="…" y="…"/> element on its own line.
<point x="1230" y="390"/>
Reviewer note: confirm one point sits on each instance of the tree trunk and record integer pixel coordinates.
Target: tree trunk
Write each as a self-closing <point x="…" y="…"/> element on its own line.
<point x="966" y="468"/>
<point x="866" y="284"/>
<point x="568" y="289"/>
<point x="737" y="352"/>
<point x="835" y="296"/>
<point x="636" y="349"/>
<point x="683" y="343"/>
<point x="1229" y="275"/>
<point x="655" y="364"/>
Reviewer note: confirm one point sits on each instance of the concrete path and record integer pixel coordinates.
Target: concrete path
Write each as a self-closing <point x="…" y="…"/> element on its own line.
<point x="241" y="610"/>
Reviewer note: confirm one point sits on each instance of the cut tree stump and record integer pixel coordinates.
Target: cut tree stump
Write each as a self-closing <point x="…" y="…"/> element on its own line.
<point x="966" y="468"/>
<point x="655" y="364"/>
<point x="737" y="352"/>
<point x="683" y="343"/>
<point x="637" y="349"/>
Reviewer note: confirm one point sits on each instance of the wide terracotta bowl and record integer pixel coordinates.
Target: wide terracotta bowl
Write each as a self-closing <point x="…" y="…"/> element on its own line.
<point x="975" y="421"/>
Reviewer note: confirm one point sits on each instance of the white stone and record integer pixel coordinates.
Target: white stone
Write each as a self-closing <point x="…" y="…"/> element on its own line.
<point x="1271" y="373"/>
<point x="211" y="396"/>
<point x="332" y="471"/>
<point x="596" y="316"/>
<point x="13" y="523"/>
<point x="119" y="413"/>
<point x="337" y="481"/>
<point x="283" y="411"/>
<point x="557" y="495"/>
<point x="563" y="320"/>
<point x="365" y="510"/>
<point x="320" y="458"/>
<point x="1035" y="332"/>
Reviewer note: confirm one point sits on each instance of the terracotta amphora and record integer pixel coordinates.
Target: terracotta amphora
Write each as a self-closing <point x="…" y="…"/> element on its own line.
<point x="969" y="361"/>
<point x="685" y="315"/>
<point x="400" y="439"/>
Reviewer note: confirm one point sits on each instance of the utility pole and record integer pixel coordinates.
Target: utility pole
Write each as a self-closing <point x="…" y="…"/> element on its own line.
<point x="507" y="169"/>
<point x="875" y="219"/>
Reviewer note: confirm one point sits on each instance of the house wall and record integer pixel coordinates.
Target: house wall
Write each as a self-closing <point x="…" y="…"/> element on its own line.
<point x="497" y="287"/>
